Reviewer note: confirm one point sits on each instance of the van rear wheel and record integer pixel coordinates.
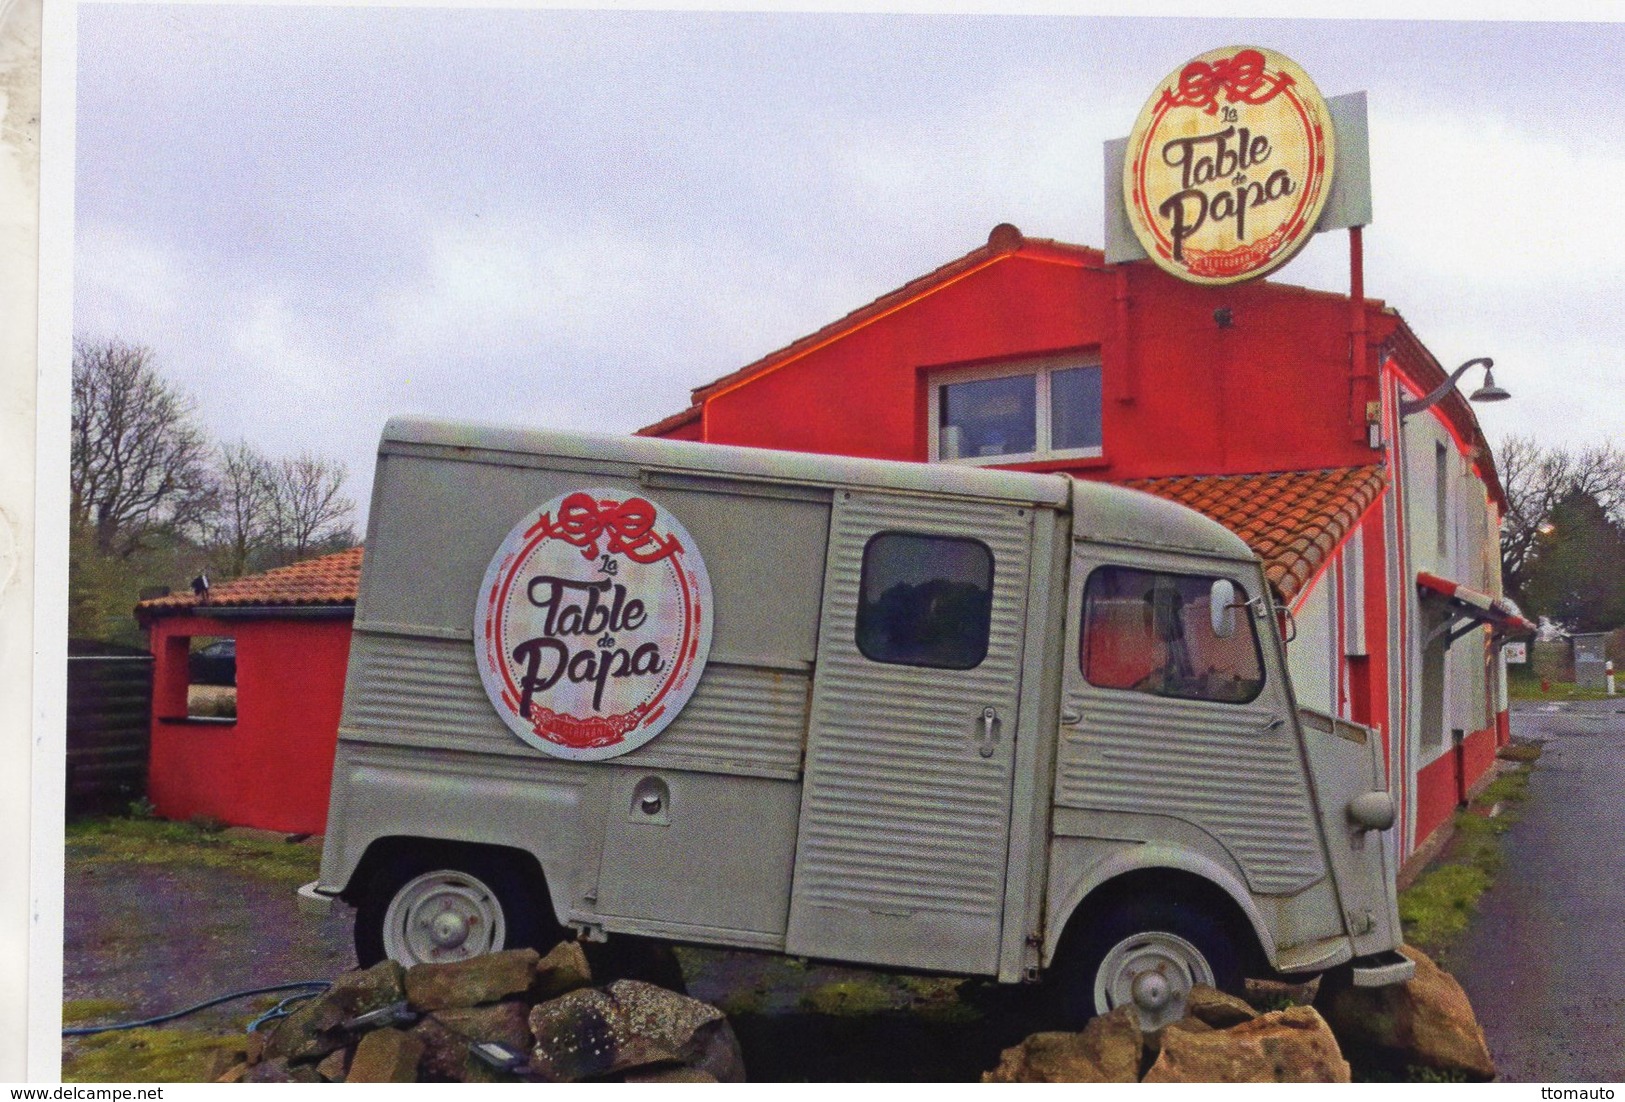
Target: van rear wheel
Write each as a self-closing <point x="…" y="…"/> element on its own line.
<point x="1149" y="954"/>
<point x="434" y="910"/>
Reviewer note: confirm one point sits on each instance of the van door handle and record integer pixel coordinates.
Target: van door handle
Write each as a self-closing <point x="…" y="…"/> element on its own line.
<point x="990" y="721"/>
<point x="1071" y="717"/>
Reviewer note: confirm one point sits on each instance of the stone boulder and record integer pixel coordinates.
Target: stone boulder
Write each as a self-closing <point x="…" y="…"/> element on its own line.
<point x="561" y="971"/>
<point x="1213" y="1007"/>
<point x="603" y="1033"/>
<point x="448" y="1038"/>
<point x="1107" y="1051"/>
<point x="1427" y="1022"/>
<point x="386" y="1056"/>
<point x="1287" y="1046"/>
<point x="488" y="978"/>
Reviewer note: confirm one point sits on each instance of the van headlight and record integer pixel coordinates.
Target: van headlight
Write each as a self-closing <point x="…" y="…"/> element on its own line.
<point x="1372" y="811"/>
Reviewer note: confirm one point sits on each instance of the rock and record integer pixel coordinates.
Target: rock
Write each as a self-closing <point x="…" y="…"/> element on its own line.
<point x="596" y="1033"/>
<point x="234" y="1074"/>
<point x="671" y="1075"/>
<point x="448" y="1037"/>
<point x="1107" y="1051"/>
<point x="562" y="971"/>
<point x="335" y="1066"/>
<point x="1153" y="1041"/>
<point x="482" y="979"/>
<point x="1427" y="1021"/>
<point x="367" y="989"/>
<point x="221" y="1061"/>
<point x="273" y="1070"/>
<point x="386" y="1056"/>
<point x="1287" y="1046"/>
<point x="254" y="1047"/>
<point x="1217" y="1009"/>
<point x="310" y="1032"/>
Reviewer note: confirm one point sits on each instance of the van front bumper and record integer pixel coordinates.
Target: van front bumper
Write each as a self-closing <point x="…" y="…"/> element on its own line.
<point x="313" y="901"/>
<point x="1382" y="969"/>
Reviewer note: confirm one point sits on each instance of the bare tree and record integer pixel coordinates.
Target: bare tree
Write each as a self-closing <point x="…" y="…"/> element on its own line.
<point x="137" y="465"/>
<point x="1536" y="480"/>
<point x="309" y="510"/>
<point x="243" y="521"/>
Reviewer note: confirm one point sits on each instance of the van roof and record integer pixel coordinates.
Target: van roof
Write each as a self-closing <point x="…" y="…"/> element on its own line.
<point x="1110" y="513"/>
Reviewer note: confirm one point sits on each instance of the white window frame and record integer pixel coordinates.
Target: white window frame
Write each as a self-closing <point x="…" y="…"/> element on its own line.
<point x="1042" y="368"/>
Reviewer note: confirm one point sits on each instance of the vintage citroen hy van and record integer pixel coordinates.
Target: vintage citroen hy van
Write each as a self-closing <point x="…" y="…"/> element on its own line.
<point x="914" y="716"/>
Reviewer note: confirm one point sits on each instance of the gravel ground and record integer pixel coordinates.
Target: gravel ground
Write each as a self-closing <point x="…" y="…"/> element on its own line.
<point x="152" y="936"/>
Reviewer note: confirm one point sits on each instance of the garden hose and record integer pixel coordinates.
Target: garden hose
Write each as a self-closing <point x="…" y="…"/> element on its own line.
<point x="308" y="988"/>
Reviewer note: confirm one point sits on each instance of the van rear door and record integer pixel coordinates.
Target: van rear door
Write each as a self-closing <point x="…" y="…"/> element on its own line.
<point x="905" y="815"/>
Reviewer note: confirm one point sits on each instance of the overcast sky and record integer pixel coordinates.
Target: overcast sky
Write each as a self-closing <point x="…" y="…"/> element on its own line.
<point x="320" y="218"/>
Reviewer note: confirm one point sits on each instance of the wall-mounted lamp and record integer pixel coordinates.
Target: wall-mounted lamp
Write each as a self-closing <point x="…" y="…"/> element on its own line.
<point x="1489" y="392"/>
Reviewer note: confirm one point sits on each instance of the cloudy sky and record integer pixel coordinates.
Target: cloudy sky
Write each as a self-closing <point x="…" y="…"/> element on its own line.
<point x="319" y="218"/>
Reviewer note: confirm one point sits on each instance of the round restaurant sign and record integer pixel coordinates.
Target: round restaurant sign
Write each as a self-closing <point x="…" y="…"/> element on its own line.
<point x="1229" y="166"/>
<point x="593" y="625"/>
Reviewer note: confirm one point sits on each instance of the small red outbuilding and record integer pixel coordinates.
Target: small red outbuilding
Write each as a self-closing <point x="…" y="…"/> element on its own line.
<point x="268" y="761"/>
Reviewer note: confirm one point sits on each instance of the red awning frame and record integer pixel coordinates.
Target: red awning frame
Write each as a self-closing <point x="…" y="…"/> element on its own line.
<point x="1503" y="617"/>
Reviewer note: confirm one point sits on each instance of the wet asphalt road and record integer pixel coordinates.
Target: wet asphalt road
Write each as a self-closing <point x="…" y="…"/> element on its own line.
<point x="1544" y="959"/>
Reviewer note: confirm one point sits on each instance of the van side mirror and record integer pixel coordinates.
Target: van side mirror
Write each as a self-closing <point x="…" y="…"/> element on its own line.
<point x="1222" y="608"/>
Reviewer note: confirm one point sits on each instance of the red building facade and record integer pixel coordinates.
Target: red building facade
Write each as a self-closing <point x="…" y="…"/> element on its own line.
<point x="1272" y="408"/>
<point x="270" y="763"/>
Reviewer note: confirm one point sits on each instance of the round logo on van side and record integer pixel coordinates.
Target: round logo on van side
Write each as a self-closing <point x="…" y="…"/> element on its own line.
<point x="594" y="624"/>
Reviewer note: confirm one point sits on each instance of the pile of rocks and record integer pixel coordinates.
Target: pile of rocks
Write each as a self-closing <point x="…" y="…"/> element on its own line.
<point x="514" y="1015"/>
<point x="1425" y="1023"/>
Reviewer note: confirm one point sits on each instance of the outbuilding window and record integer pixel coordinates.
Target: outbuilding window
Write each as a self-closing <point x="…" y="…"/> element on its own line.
<point x="1037" y="409"/>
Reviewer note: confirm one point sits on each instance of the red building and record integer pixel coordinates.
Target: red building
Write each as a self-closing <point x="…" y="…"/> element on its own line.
<point x="268" y="765"/>
<point x="1274" y="409"/>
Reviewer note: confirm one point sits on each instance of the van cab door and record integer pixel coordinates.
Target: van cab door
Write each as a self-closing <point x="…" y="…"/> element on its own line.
<point x="905" y="814"/>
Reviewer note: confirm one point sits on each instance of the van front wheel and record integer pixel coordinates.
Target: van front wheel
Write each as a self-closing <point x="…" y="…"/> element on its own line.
<point x="1149" y="955"/>
<point x="422" y="912"/>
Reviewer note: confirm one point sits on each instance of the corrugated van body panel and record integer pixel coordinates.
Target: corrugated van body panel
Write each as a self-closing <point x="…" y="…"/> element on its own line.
<point x="426" y="692"/>
<point x="1218" y="766"/>
<point x="902" y="818"/>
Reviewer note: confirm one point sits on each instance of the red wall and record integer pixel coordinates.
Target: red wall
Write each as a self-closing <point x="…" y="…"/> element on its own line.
<point x="273" y="766"/>
<point x="1271" y="392"/>
<point x="1438" y="783"/>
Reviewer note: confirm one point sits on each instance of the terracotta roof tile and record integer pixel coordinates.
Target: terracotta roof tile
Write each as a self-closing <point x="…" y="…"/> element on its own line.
<point x="328" y="580"/>
<point x="1292" y="519"/>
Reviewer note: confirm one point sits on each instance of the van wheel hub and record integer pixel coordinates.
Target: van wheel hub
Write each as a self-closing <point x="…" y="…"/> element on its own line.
<point x="1154" y="972"/>
<point x="441" y="916"/>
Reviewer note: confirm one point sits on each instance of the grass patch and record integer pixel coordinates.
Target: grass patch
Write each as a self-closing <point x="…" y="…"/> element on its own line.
<point x="1437" y="908"/>
<point x="147" y="1056"/>
<point x="1522" y="684"/>
<point x="88" y="1011"/>
<point x="849" y="997"/>
<point x="156" y="842"/>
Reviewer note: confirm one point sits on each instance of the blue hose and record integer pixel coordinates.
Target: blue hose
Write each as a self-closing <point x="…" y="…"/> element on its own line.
<point x="309" y="987"/>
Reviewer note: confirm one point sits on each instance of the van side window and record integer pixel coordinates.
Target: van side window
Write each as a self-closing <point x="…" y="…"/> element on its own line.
<point x="925" y="600"/>
<point x="1153" y="633"/>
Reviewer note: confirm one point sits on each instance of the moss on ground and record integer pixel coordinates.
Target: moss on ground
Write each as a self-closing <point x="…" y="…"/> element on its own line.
<point x="88" y="1011"/>
<point x="850" y="997"/>
<point x="155" y="842"/>
<point x="1437" y="908"/>
<point x="149" y="1056"/>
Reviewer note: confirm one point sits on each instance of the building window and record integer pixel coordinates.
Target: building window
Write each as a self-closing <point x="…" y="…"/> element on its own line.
<point x="206" y="667"/>
<point x="1441" y="493"/>
<point x="925" y="601"/>
<point x="1153" y="633"/>
<point x="1046" y="409"/>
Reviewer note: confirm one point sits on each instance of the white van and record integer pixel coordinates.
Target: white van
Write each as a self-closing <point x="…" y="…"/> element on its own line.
<point x="913" y="716"/>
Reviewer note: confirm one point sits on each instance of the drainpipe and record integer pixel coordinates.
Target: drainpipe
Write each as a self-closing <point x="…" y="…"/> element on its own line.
<point x="1358" y="373"/>
<point x="1458" y="741"/>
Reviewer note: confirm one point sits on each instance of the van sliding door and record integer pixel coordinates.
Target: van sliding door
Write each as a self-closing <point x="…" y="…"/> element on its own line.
<point x="905" y="814"/>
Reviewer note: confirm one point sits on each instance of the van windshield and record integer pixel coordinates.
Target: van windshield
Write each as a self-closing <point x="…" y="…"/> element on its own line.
<point x="1152" y="632"/>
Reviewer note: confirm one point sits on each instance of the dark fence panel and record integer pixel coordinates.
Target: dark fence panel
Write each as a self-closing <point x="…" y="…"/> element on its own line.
<point x="109" y="732"/>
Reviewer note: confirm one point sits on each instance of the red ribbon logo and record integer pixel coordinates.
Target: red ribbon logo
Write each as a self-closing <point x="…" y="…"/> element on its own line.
<point x="627" y="527"/>
<point x="1241" y="78"/>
